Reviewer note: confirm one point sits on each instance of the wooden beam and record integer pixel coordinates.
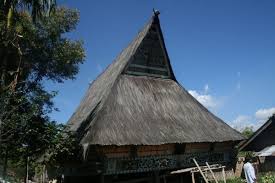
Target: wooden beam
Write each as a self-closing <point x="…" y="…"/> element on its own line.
<point x="211" y="172"/>
<point x="205" y="179"/>
<point x="156" y="177"/>
<point x="164" y="179"/>
<point x="193" y="177"/>
<point x="102" y="178"/>
<point x="135" y="180"/>
<point x="204" y="170"/>
<point x="148" y="67"/>
<point x="146" y="74"/>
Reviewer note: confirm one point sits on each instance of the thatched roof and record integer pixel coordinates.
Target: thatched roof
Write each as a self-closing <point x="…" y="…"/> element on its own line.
<point x="137" y="101"/>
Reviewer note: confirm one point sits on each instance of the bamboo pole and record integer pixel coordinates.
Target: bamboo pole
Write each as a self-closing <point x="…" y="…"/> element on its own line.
<point x="193" y="177"/>
<point x="211" y="172"/>
<point x="223" y="174"/>
<point x="205" y="179"/>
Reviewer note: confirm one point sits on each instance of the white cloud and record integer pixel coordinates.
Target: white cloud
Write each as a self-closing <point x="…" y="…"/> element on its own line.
<point x="206" y="88"/>
<point x="255" y="121"/>
<point x="263" y="114"/>
<point x="241" y="122"/>
<point x="205" y="99"/>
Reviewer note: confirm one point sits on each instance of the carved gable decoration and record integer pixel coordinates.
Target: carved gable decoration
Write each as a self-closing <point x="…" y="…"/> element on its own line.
<point x="150" y="58"/>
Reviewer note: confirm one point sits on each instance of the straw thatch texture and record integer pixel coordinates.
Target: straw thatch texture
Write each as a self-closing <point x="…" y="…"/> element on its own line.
<point x="150" y="111"/>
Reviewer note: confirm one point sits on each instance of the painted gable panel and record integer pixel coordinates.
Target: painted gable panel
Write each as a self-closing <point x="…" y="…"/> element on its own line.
<point x="150" y="58"/>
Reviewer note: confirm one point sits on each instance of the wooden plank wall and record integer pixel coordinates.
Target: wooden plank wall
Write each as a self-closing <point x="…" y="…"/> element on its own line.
<point x="165" y="149"/>
<point x="114" y="151"/>
<point x="156" y="150"/>
<point x="223" y="146"/>
<point x="197" y="147"/>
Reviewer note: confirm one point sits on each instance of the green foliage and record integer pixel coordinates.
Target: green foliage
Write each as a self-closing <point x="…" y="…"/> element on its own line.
<point x="248" y="132"/>
<point x="37" y="8"/>
<point x="248" y="154"/>
<point x="30" y="53"/>
<point x="262" y="178"/>
<point x="235" y="180"/>
<point x="267" y="178"/>
<point x="45" y="52"/>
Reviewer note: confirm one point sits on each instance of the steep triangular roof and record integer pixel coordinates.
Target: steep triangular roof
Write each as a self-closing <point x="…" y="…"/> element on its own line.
<point x="137" y="100"/>
<point x="262" y="138"/>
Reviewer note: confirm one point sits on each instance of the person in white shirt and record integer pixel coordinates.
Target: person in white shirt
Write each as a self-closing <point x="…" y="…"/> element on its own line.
<point x="249" y="171"/>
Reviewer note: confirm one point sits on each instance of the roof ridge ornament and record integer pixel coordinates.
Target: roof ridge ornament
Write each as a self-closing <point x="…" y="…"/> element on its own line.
<point x="156" y="12"/>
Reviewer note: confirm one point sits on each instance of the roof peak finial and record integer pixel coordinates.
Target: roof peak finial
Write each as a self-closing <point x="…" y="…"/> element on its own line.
<point x="156" y="12"/>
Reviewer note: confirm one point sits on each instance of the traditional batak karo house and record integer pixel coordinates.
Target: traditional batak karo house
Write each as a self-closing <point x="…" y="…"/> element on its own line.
<point x="137" y="121"/>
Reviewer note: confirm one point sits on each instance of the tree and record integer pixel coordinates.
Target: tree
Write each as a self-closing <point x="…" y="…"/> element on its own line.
<point x="34" y="52"/>
<point x="248" y="132"/>
<point x="9" y="10"/>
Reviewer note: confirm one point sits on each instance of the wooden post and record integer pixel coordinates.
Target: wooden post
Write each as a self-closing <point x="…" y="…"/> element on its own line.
<point x="205" y="179"/>
<point x="164" y="179"/>
<point x="43" y="174"/>
<point x="5" y="164"/>
<point x="181" y="178"/>
<point x="156" y="175"/>
<point x="239" y="167"/>
<point x="102" y="178"/>
<point x="27" y="169"/>
<point x="193" y="177"/>
<point x="223" y="174"/>
<point x="211" y="172"/>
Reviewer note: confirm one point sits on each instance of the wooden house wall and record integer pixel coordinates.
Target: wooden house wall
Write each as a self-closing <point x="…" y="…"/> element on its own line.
<point x="268" y="164"/>
<point x="223" y="146"/>
<point x="197" y="147"/>
<point x="165" y="149"/>
<point x="124" y="159"/>
<point x="114" y="151"/>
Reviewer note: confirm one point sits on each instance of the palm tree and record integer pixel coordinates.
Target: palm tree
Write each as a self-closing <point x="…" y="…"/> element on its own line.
<point x="38" y="8"/>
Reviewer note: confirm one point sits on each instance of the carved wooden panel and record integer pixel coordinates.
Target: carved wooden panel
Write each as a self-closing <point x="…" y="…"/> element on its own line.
<point x="151" y="163"/>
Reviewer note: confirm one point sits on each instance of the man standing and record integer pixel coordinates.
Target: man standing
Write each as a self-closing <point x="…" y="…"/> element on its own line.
<point x="249" y="171"/>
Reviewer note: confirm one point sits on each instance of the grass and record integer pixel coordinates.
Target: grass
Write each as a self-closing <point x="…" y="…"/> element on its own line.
<point x="268" y="177"/>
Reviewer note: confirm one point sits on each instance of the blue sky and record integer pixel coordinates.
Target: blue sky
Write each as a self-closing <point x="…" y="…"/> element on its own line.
<point x="223" y="52"/>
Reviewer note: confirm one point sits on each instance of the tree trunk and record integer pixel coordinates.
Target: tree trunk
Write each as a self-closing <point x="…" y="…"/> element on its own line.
<point x="5" y="164"/>
<point x="0" y="129"/>
<point x="7" y="8"/>
<point x="4" y="70"/>
<point x="27" y="170"/>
